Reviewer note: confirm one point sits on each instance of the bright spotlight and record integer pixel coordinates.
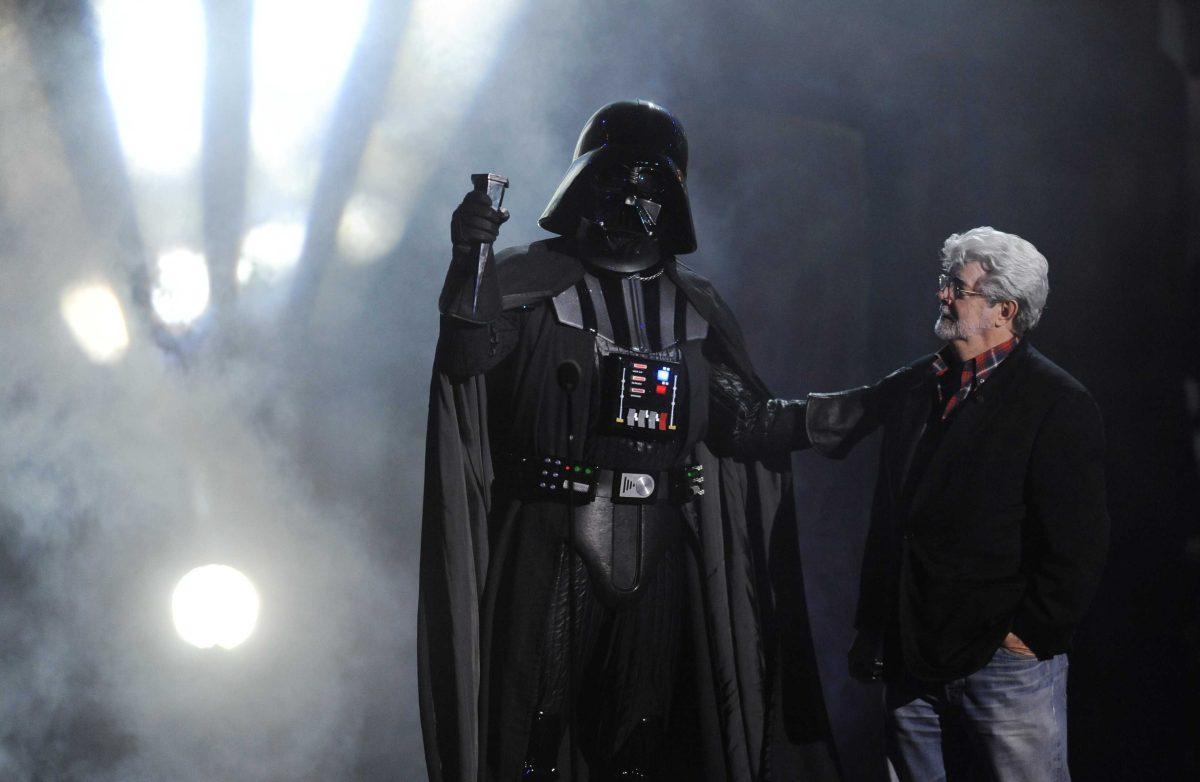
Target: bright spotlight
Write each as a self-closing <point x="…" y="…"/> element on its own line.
<point x="269" y="251"/>
<point x="215" y="605"/>
<point x="181" y="290"/>
<point x="95" y="318"/>
<point x="154" y="58"/>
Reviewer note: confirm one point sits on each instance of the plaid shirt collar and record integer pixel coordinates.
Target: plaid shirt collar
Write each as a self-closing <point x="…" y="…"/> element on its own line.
<point x="974" y="373"/>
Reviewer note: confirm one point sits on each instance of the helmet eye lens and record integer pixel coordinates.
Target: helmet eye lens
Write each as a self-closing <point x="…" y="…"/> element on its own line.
<point x="645" y="180"/>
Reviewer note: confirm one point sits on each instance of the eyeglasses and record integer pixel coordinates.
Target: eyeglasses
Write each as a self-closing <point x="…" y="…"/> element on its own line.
<point x="956" y="285"/>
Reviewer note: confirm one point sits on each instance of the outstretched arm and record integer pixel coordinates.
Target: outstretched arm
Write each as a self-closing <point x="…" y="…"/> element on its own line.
<point x="837" y="421"/>
<point x="748" y="423"/>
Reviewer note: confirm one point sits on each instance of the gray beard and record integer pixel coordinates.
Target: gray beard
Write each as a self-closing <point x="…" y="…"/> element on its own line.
<point x="947" y="329"/>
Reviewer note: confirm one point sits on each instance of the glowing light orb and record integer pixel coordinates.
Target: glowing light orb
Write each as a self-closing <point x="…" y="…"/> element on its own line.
<point x="181" y="290"/>
<point x="269" y="251"/>
<point x="154" y="64"/>
<point x="96" y="320"/>
<point x="215" y="605"/>
<point x="369" y="228"/>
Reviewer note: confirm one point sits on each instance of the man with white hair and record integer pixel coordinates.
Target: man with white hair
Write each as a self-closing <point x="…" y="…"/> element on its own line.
<point x="989" y="526"/>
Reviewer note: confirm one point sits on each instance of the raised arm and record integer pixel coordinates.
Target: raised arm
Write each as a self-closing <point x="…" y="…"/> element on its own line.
<point x="475" y="333"/>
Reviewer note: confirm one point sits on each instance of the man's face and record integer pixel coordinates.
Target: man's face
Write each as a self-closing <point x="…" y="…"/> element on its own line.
<point x="968" y="316"/>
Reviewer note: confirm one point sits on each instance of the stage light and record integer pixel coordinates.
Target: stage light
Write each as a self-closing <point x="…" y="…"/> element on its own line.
<point x="154" y="65"/>
<point x="300" y="54"/>
<point x="215" y="605"/>
<point x="181" y="288"/>
<point x="368" y="229"/>
<point x="269" y="251"/>
<point x="96" y="320"/>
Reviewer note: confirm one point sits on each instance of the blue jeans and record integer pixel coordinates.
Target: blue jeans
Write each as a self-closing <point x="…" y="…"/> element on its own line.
<point x="1007" y="721"/>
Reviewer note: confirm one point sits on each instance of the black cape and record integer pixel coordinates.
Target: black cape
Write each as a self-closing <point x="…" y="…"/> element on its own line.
<point x="763" y="714"/>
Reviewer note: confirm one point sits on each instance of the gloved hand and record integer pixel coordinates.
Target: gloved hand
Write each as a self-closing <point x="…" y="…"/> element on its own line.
<point x="475" y="221"/>
<point x="865" y="658"/>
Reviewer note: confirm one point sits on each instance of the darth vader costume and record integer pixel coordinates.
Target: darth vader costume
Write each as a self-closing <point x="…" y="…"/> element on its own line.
<point x="663" y="633"/>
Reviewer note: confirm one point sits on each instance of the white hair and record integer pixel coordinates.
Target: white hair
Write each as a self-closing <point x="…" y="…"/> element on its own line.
<point x="1015" y="269"/>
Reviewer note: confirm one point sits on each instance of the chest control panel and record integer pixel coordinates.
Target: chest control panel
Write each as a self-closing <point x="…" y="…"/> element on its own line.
<point x="643" y="398"/>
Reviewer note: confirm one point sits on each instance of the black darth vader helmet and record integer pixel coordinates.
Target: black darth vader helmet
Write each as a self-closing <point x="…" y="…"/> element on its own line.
<point x="628" y="175"/>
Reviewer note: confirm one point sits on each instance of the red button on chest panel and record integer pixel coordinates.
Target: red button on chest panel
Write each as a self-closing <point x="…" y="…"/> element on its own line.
<point x="642" y="399"/>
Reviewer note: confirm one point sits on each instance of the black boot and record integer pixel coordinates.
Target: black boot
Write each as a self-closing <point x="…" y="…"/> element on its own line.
<point x="541" y="759"/>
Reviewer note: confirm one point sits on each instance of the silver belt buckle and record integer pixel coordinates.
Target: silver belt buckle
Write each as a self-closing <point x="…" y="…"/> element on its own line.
<point x="635" y="487"/>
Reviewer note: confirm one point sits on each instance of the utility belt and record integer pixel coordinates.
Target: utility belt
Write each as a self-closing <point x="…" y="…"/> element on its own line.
<point x="555" y="478"/>
<point x="625" y="521"/>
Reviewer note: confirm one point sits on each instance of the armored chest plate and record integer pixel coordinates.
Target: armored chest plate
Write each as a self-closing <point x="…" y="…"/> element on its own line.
<point x="639" y="324"/>
<point x="646" y="315"/>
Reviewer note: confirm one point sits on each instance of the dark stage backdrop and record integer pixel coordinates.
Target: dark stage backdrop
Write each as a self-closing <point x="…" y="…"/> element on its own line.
<point x="834" y="145"/>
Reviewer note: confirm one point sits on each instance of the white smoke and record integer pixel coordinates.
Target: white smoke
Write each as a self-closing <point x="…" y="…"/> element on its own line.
<point x="116" y="479"/>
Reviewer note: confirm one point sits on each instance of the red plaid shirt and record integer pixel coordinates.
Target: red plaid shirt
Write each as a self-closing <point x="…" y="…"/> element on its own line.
<point x="974" y="372"/>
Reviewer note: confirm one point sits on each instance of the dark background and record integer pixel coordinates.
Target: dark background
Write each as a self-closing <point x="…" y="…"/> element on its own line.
<point x="834" y="146"/>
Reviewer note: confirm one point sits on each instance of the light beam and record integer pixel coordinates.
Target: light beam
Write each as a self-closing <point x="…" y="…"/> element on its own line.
<point x="300" y="54"/>
<point x="154" y="65"/>
<point x="448" y="49"/>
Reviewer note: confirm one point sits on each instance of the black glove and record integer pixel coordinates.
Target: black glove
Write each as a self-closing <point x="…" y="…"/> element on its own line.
<point x="865" y="658"/>
<point x="475" y="221"/>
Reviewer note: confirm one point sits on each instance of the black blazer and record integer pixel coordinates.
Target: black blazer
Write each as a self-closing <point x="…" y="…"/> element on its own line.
<point x="1006" y="528"/>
